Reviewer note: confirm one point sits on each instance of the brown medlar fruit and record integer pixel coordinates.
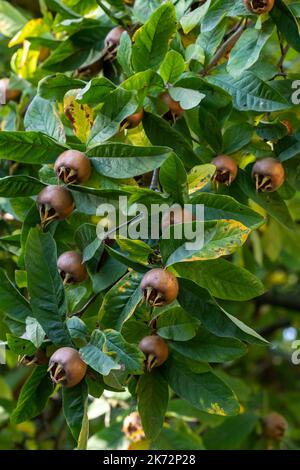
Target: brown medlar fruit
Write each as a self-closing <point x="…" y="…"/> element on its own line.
<point x="155" y="349"/>
<point x="160" y="287"/>
<point x="133" y="428"/>
<point x="71" y="267"/>
<point x="226" y="170"/>
<point x="269" y="175"/>
<point x="176" y="216"/>
<point x="66" y="367"/>
<point x="114" y="36"/>
<point x="174" y="106"/>
<point x="54" y="203"/>
<point x="133" y="120"/>
<point x="73" y="167"/>
<point x="258" y="7"/>
<point x="274" y="426"/>
<point x="9" y="95"/>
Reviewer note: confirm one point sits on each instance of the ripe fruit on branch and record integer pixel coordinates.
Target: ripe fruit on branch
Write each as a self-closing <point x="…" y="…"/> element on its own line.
<point x="269" y="175"/>
<point x="54" y="203"/>
<point x="174" y="106"/>
<point x="73" y="167"/>
<point x="226" y="170"/>
<point x="133" y="120"/>
<point x="160" y="287"/>
<point x="9" y="95"/>
<point x="155" y="349"/>
<point x="113" y="38"/>
<point x="176" y="215"/>
<point x="71" y="267"/>
<point x="133" y="428"/>
<point x="258" y="7"/>
<point x="66" y="367"/>
<point x="274" y="426"/>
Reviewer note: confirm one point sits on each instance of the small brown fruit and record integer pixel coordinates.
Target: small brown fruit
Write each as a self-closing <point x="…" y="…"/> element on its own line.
<point x="113" y="38"/>
<point x="258" y="7"/>
<point x="73" y="167"/>
<point x="176" y="215"/>
<point x="226" y="170"/>
<point x="269" y="175"/>
<point x="54" y="203"/>
<point x="66" y="367"/>
<point x="160" y="287"/>
<point x="155" y="349"/>
<point x="71" y="267"/>
<point x="174" y="106"/>
<point x="274" y="426"/>
<point x="6" y="93"/>
<point x="133" y="120"/>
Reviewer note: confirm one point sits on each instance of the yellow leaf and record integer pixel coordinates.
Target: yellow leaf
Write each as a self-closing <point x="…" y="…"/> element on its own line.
<point x="80" y="115"/>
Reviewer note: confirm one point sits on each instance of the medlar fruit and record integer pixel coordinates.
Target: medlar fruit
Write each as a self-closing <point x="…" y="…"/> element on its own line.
<point x="73" y="167"/>
<point x="269" y="175"/>
<point x="226" y="170"/>
<point x="113" y="37"/>
<point x="133" y="428"/>
<point x="54" y="203"/>
<point x="258" y="7"/>
<point x="71" y="267"/>
<point x="9" y="95"/>
<point x="160" y="287"/>
<point x="133" y="120"/>
<point x="274" y="426"/>
<point x="175" y="216"/>
<point x="174" y="106"/>
<point x="66" y="367"/>
<point x="155" y="349"/>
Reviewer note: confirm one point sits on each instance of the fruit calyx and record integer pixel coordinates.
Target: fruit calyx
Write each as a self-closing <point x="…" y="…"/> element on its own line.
<point x="226" y="170"/>
<point x="269" y="175"/>
<point x="155" y="349"/>
<point x="73" y="167"/>
<point x="66" y="367"/>
<point x="174" y="106"/>
<point x="54" y="203"/>
<point x="159" y="287"/>
<point x="71" y="268"/>
<point x="258" y="7"/>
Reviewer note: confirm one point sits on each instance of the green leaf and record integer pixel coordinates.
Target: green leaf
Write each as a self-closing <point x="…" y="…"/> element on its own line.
<point x="11" y="19"/>
<point x="159" y="132"/>
<point x="236" y="137"/>
<point x="95" y="91"/>
<point x="153" y="398"/>
<point x="128" y="355"/>
<point x="124" y="53"/>
<point x="173" y="179"/>
<point x="33" y="396"/>
<point x="20" y="186"/>
<point x="192" y="19"/>
<point x="210" y="129"/>
<point x="60" y="7"/>
<point x="75" y="407"/>
<point x="29" y="147"/>
<point x="216" y="12"/>
<point x="186" y="97"/>
<point x="205" y="391"/>
<point x="286" y="23"/>
<point x="172" y="67"/>
<point x="251" y="93"/>
<point x="56" y="86"/>
<point x="42" y="116"/>
<point x="121" y="301"/>
<point x="13" y="304"/>
<point x="93" y="355"/>
<point x="117" y="160"/>
<point x="118" y="105"/>
<point x="20" y="346"/>
<point x="205" y="347"/>
<point x="45" y="286"/>
<point x="152" y="39"/>
<point x="34" y="332"/>
<point x="175" y="324"/>
<point x="221" y="278"/>
<point x="198" y="303"/>
<point x="218" y="207"/>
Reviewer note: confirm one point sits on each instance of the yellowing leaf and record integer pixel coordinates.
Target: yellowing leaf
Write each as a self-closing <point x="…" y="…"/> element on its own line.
<point x="33" y="28"/>
<point x="80" y="115"/>
<point x="200" y="176"/>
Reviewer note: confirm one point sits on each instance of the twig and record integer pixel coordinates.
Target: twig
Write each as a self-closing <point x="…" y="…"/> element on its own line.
<point x="288" y="301"/>
<point x="154" y="181"/>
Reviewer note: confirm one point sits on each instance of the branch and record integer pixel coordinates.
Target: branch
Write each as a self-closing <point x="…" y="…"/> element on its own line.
<point x="288" y="301"/>
<point x="284" y="51"/>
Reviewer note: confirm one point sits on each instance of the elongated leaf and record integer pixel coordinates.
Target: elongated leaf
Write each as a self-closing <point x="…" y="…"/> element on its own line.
<point x="56" y="86"/>
<point x="13" y="304"/>
<point x="11" y="19"/>
<point x="20" y="186"/>
<point x="128" y="355"/>
<point x="153" y="397"/>
<point x="95" y="91"/>
<point x="45" y="286"/>
<point x="175" y="324"/>
<point x="151" y="40"/>
<point x="42" y="116"/>
<point x="29" y="147"/>
<point x="74" y="407"/>
<point x="286" y="23"/>
<point x="173" y="178"/>
<point x="94" y="356"/>
<point x="172" y="67"/>
<point x="34" y="395"/>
